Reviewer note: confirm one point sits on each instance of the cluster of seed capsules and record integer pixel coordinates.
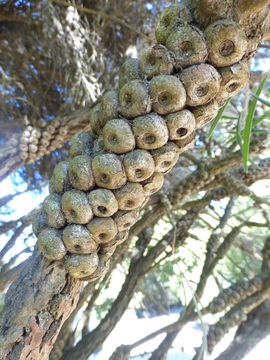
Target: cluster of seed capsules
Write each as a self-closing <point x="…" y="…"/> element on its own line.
<point x="35" y="143"/>
<point x="137" y="134"/>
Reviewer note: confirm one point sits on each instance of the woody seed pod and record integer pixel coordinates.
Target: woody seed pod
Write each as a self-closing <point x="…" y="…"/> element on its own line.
<point x="188" y="45"/>
<point x="33" y="140"/>
<point x="166" y="157"/>
<point x="153" y="184"/>
<point x="46" y="135"/>
<point x="33" y="148"/>
<point x="129" y="71"/>
<point x="39" y="223"/>
<point x="98" y="147"/>
<point x="134" y="99"/>
<point x="52" y="212"/>
<point x="94" y="119"/>
<point x="76" y="207"/>
<point x="81" y="144"/>
<point x="63" y="130"/>
<point x="51" y="244"/>
<point x="139" y="165"/>
<point x="226" y="41"/>
<point x="233" y="79"/>
<point x="24" y="140"/>
<point x="202" y="83"/>
<point x="80" y="173"/>
<point x="45" y="142"/>
<point x="205" y="113"/>
<point x="107" y="251"/>
<point x="156" y="60"/>
<point x="23" y="147"/>
<point x="102" y="229"/>
<point x="103" y="202"/>
<point x="36" y="133"/>
<point x="78" y="240"/>
<point x="108" y="107"/>
<point x="167" y="94"/>
<point x="169" y="19"/>
<point x="125" y="219"/>
<point x="50" y="129"/>
<point x="80" y="266"/>
<point x="60" y="179"/>
<point x="102" y="269"/>
<point x="23" y="156"/>
<point x="130" y="196"/>
<point x="118" y="136"/>
<point x="180" y="124"/>
<point x="108" y="171"/>
<point x="150" y="131"/>
<point x="186" y="143"/>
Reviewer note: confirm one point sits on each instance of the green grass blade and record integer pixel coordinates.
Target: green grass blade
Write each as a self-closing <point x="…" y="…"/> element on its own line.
<point x="248" y="125"/>
<point x="217" y="118"/>
<point x="263" y="101"/>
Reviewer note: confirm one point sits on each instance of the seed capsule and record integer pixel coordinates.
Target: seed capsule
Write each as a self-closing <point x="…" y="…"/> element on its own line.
<point x="226" y="41"/>
<point x="80" y="266"/>
<point x="108" y="171"/>
<point x="153" y="184"/>
<point x="102" y="269"/>
<point x="81" y="144"/>
<point x="139" y="165"/>
<point x="102" y="229"/>
<point x="134" y="99"/>
<point x="156" y="60"/>
<point x="205" y="113"/>
<point x="166" y="157"/>
<point x="80" y="173"/>
<point x="150" y="131"/>
<point x="108" y="107"/>
<point x="130" y="196"/>
<point x="188" y="45"/>
<point x="187" y="143"/>
<point x="76" y="207"/>
<point x="52" y="212"/>
<point x="94" y="120"/>
<point x="169" y="19"/>
<point x="233" y="79"/>
<point x="59" y="182"/>
<point x="103" y="202"/>
<point x="78" y="240"/>
<point x="118" y="136"/>
<point x="125" y="219"/>
<point x="129" y="71"/>
<point x="39" y="223"/>
<point x="202" y="83"/>
<point x="98" y="147"/>
<point x="167" y="94"/>
<point x="51" y="244"/>
<point x="180" y="124"/>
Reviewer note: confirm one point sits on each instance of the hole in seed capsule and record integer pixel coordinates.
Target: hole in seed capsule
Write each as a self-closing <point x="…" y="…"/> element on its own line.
<point x="166" y="164"/>
<point x="102" y="209"/>
<point x="187" y="48"/>
<point x="129" y="203"/>
<point x="151" y="60"/>
<point x="181" y="131"/>
<point x="73" y="214"/>
<point x="165" y="98"/>
<point x="77" y="247"/>
<point x="202" y="90"/>
<point x="126" y="225"/>
<point x="83" y="272"/>
<point x="149" y="139"/>
<point x="102" y="236"/>
<point x="226" y="48"/>
<point x="166" y="21"/>
<point x="152" y="191"/>
<point x="104" y="178"/>
<point x="128" y="99"/>
<point x="232" y="87"/>
<point x="139" y="173"/>
<point x="112" y="139"/>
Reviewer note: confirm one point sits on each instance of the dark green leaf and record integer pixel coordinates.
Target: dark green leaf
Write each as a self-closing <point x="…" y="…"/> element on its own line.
<point x="217" y="118"/>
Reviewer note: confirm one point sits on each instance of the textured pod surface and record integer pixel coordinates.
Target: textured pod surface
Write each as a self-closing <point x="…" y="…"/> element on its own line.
<point x="108" y="171"/>
<point x="166" y="157"/>
<point x="202" y="83"/>
<point x="76" y="207"/>
<point x="103" y="202"/>
<point x="80" y="144"/>
<point x="80" y="266"/>
<point x="205" y="113"/>
<point x="226" y="42"/>
<point x="129" y="71"/>
<point x="39" y="223"/>
<point x="102" y="229"/>
<point x="188" y="45"/>
<point x="153" y="184"/>
<point x="130" y="197"/>
<point x="94" y="120"/>
<point x="180" y="124"/>
<point x="167" y="94"/>
<point x="59" y="182"/>
<point x="134" y="99"/>
<point x="155" y="60"/>
<point x="80" y="173"/>
<point x="150" y="131"/>
<point x="118" y="136"/>
<point x="52" y="211"/>
<point x="139" y="165"/>
<point x="108" y="107"/>
<point x="170" y="18"/>
<point x="186" y="143"/>
<point x="51" y="245"/>
<point x="125" y="219"/>
<point x="77" y="239"/>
